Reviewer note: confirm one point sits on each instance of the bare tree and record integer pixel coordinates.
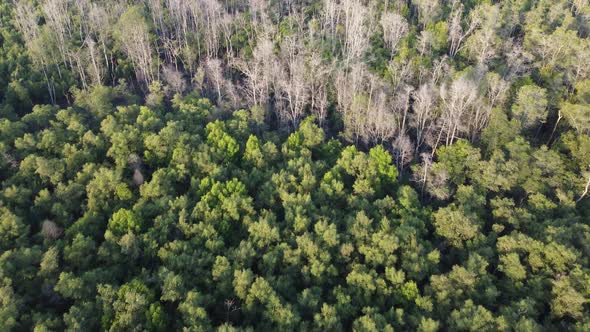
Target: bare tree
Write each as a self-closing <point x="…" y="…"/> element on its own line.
<point x="518" y="60"/>
<point x="213" y="13"/>
<point x="260" y="71"/>
<point x="401" y="73"/>
<point x="157" y="14"/>
<point x="99" y="22"/>
<point x="425" y="42"/>
<point x="50" y="230"/>
<point x="496" y="89"/>
<point x="214" y="74"/>
<point x="404" y="150"/>
<point x="352" y="100"/>
<point x="180" y="20"/>
<point x="58" y="19"/>
<point x="481" y="45"/>
<point x="428" y="10"/>
<point x="440" y="68"/>
<point x="456" y="32"/>
<point x="222" y="87"/>
<point x="292" y="85"/>
<point x="421" y="171"/>
<point x="330" y="16"/>
<point x="134" y="36"/>
<point x="258" y="10"/>
<point x="585" y="192"/>
<point x="457" y="98"/>
<point x="356" y="40"/>
<point x="26" y="22"/>
<point x="381" y="120"/>
<point x="97" y="68"/>
<point x="402" y="106"/>
<point x="316" y="76"/>
<point x="174" y="79"/>
<point x="137" y="177"/>
<point x="424" y="110"/>
<point x="395" y="27"/>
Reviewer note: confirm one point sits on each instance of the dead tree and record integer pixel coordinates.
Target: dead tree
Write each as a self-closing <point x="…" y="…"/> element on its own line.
<point x="457" y="98"/>
<point x="134" y="36"/>
<point x="26" y="22"/>
<point x="424" y="110"/>
<point x="404" y="151"/>
<point x="356" y="40"/>
<point x="457" y="34"/>
<point x="292" y="84"/>
<point x="395" y="27"/>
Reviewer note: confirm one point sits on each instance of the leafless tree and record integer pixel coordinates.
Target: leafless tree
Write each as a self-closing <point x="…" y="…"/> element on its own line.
<point x="50" y="230"/>
<point x="10" y="160"/>
<point x="230" y="306"/>
<point x="223" y="88"/>
<point x="97" y="71"/>
<point x="437" y="183"/>
<point x="496" y="89"/>
<point x="424" y="110"/>
<point x="99" y="22"/>
<point x="330" y="17"/>
<point x="258" y="9"/>
<point x="137" y="177"/>
<point x="395" y="27"/>
<point x="134" y="161"/>
<point x="457" y="98"/>
<point x="585" y="192"/>
<point x="428" y="10"/>
<point x="174" y="79"/>
<point x="227" y="27"/>
<point x="425" y="42"/>
<point x="77" y="59"/>
<point x="381" y="120"/>
<point x="135" y="39"/>
<point x="421" y="171"/>
<point x="404" y="150"/>
<point x="260" y="71"/>
<point x="356" y="32"/>
<point x="401" y="74"/>
<point x="352" y="98"/>
<point x="292" y="84"/>
<point x="440" y="68"/>
<point x="401" y="105"/>
<point x="180" y="20"/>
<point x="518" y="60"/>
<point x="26" y="21"/>
<point x="316" y="76"/>
<point x="482" y="44"/>
<point x="578" y="6"/>
<point x="214" y="74"/>
<point x="457" y="34"/>
<point x="156" y="10"/>
<point x="58" y="19"/>
<point x="213" y="13"/>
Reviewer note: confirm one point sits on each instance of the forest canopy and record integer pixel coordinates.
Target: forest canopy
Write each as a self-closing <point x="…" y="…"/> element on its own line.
<point x="317" y="165"/>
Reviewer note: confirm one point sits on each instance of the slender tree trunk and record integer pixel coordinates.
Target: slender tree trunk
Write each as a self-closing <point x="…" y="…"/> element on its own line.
<point x="585" y="191"/>
<point x="559" y="117"/>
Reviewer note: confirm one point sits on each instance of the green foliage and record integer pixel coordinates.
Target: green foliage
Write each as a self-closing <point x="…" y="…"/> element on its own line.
<point x="128" y="203"/>
<point x="225" y="146"/>
<point x="530" y="108"/>
<point x="124" y="221"/>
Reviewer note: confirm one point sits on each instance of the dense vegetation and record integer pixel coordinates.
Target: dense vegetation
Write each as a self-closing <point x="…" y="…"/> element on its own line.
<point x="324" y="165"/>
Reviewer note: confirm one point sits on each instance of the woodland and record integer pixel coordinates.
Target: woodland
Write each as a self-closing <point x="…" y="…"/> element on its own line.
<point x="282" y="165"/>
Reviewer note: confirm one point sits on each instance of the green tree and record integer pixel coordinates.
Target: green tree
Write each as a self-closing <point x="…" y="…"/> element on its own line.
<point x="530" y="107"/>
